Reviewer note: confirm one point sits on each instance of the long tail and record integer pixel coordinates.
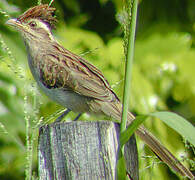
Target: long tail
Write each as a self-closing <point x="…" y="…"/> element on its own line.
<point x="164" y="154"/>
<point x="114" y="110"/>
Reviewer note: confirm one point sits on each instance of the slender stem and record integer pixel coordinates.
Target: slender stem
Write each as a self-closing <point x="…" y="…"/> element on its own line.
<point x="28" y="169"/>
<point x="50" y="3"/>
<point x="128" y="70"/>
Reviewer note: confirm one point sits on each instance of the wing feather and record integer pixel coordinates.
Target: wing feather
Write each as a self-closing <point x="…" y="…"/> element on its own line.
<point x="69" y="71"/>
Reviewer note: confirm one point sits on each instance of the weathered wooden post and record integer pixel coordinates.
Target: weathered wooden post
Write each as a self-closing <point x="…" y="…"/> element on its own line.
<point x="83" y="151"/>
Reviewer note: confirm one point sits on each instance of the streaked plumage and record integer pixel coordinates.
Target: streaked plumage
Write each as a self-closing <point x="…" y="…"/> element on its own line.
<point x="72" y="81"/>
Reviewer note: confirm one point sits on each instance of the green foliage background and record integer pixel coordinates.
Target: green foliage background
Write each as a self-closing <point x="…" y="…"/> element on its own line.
<point x="163" y="73"/>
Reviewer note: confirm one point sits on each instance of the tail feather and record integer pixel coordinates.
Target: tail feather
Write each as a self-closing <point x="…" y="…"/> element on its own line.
<point x="164" y="154"/>
<point x="114" y="110"/>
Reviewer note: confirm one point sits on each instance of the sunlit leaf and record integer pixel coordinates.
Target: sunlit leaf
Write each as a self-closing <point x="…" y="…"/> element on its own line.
<point x="124" y="137"/>
<point x="121" y="167"/>
<point x="178" y="123"/>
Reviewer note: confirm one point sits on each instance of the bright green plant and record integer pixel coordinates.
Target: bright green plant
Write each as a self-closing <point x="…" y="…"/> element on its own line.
<point x="162" y="80"/>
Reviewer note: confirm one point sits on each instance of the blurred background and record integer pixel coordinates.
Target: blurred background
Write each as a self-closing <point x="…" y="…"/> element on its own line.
<point x="163" y="75"/>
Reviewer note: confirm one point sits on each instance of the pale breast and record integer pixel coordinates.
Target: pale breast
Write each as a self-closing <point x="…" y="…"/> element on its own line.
<point x="62" y="96"/>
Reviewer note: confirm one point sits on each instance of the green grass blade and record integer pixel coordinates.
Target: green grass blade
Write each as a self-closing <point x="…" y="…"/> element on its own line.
<point x="121" y="166"/>
<point x="125" y="135"/>
<point x="178" y="123"/>
<point x="128" y="71"/>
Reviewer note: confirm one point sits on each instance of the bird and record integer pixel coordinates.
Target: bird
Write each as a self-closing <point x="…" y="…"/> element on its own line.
<point x="72" y="81"/>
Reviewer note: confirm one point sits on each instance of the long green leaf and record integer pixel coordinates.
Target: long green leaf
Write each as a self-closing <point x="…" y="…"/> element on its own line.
<point x="121" y="166"/>
<point x="178" y="123"/>
<point x="129" y="63"/>
<point x="125" y="135"/>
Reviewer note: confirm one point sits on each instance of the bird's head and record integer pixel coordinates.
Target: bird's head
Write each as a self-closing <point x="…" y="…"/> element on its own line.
<point x="36" y="23"/>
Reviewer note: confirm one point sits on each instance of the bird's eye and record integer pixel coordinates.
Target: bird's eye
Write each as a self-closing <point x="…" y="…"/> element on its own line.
<point x="33" y="24"/>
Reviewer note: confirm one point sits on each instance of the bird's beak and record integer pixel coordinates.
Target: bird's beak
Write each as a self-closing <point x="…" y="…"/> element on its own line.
<point x="15" y="23"/>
